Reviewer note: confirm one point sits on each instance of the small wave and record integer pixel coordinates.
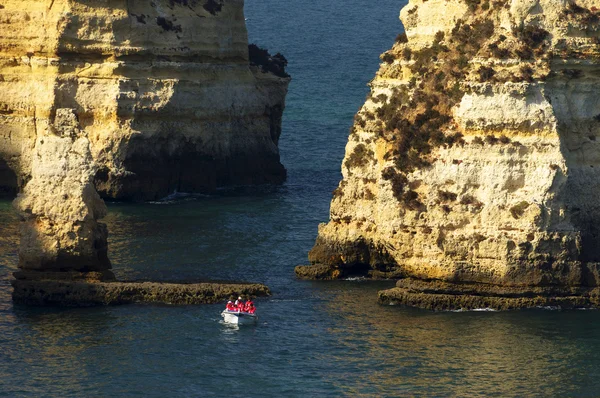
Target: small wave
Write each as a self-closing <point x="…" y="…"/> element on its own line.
<point x="356" y="278"/>
<point x="549" y="307"/>
<point x="284" y="300"/>
<point x="178" y="197"/>
<point x="487" y="309"/>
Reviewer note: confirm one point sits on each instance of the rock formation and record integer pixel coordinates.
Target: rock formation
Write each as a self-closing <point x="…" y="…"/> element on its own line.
<point x="75" y="291"/>
<point x="59" y="204"/>
<point x="135" y="99"/>
<point x="164" y="91"/>
<point x="472" y="169"/>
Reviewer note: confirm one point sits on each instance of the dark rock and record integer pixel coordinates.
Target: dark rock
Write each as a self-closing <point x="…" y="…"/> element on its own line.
<point x="82" y="293"/>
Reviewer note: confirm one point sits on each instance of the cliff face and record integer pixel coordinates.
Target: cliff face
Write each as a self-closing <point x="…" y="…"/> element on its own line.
<point x="134" y="100"/>
<point x="59" y="204"/>
<point x="475" y="158"/>
<point x="162" y="89"/>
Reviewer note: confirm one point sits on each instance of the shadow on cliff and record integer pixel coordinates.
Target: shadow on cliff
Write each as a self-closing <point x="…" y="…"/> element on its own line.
<point x="189" y="121"/>
<point x="577" y="133"/>
<point x="8" y="181"/>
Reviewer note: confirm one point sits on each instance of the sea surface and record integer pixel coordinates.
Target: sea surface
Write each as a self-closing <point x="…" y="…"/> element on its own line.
<point x="314" y="339"/>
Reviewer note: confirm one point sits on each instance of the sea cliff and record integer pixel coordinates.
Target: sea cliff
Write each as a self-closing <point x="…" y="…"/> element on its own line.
<point x="471" y="171"/>
<point x="164" y="90"/>
<point x="126" y="100"/>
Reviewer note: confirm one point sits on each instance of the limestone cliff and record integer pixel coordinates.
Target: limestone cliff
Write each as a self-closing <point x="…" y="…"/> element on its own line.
<point x="59" y="205"/>
<point x="136" y="100"/>
<point x="474" y="161"/>
<point x="163" y="90"/>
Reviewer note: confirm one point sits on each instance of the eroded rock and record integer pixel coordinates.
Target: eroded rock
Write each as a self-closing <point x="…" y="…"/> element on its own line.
<point x="83" y="291"/>
<point x="163" y="90"/>
<point x="59" y="205"/>
<point x="135" y="100"/>
<point x="474" y="160"/>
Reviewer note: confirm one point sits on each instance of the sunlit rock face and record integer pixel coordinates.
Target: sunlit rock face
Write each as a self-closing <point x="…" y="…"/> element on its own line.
<point x="162" y="89"/>
<point x="475" y="158"/>
<point x="132" y="100"/>
<point x="59" y="204"/>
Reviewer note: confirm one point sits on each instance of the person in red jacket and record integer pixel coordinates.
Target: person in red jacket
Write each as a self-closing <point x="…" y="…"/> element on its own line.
<point x="229" y="306"/>
<point x="239" y="304"/>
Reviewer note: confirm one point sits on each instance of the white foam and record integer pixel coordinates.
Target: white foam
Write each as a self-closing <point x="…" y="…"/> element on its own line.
<point x="487" y="309"/>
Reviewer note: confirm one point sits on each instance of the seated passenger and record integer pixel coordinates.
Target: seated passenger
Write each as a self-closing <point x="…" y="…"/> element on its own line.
<point x="229" y="306"/>
<point x="239" y="304"/>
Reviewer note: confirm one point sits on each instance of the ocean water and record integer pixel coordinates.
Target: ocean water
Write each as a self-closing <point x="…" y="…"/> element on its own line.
<point x="314" y="339"/>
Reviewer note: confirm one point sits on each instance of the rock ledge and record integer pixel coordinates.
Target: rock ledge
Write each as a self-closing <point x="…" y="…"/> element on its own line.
<point x="91" y="289"/>
<point x="443" y="296"/>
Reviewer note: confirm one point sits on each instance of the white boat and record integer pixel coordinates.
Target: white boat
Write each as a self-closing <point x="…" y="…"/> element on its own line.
<point x="239" y="318"/>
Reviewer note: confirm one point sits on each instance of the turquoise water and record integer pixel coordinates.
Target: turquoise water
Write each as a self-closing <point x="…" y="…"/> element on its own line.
<point x="314" y="338"/>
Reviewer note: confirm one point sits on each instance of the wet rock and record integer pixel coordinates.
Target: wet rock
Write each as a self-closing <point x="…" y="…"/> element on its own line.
<point x="81" y="293"/>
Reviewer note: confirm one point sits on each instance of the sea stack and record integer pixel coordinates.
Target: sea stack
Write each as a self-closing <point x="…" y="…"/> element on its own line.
<point x="132" y="100"/>
<point x="165" y="91"/>
<point x="472" y="171"/>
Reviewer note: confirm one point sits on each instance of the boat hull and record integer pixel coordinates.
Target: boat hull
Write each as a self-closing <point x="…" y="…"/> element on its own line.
<point x="239" y="318"/>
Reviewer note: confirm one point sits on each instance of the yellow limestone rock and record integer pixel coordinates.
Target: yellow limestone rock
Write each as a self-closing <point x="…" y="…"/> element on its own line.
<point x="163" y="90"/>
<point x="135" y="100"/>
<point x="475" y="159"/>
<point x="59" y="204"/>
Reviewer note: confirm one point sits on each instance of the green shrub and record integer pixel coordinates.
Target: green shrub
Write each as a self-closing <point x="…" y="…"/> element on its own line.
<point x="388" y="58"/>
<point x="504" y="139"/>
<point x="416" y="123"/>
<point x="477" y="141"/>
<point x="359" y="157"/>
<point x="380" y="98"/>
<point x="491" y="139"/>
<point x="473" y="4"/>
<point x="469" y="200"/>
<point x="339" y="191"/>
<point x="402" y="38"/>
<point x="368" y="195"/>
<point x="527" y="73"/>
<point x="486" y="74"/>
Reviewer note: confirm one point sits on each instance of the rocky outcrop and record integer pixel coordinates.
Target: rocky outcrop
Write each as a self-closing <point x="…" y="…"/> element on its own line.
<point x="135" y="100"/>
<point x="63" y="253"/>
<point x="163" y="90"/>
<point x="472" y="166"/>
<point x="59" y="205"/>
<point x="91" y="288"/>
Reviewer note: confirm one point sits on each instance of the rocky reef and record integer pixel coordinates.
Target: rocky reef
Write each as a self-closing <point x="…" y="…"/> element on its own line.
<point x="164" y="91"/>
<point x="77" y="289"/>
<point x="471" y="171"/>
<point x="132" y="101"/>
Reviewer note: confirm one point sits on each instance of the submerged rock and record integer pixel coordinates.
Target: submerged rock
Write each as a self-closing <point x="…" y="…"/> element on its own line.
<point x="473" y="161"/>
<point x="164" y="90"/>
